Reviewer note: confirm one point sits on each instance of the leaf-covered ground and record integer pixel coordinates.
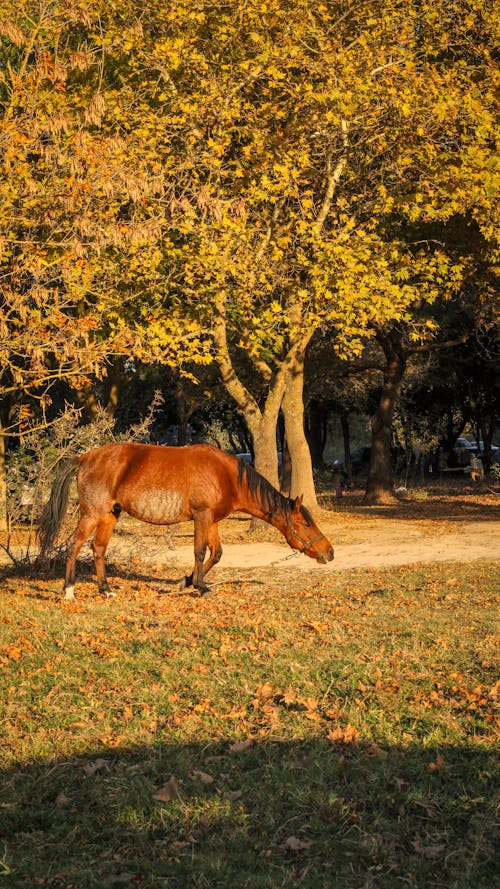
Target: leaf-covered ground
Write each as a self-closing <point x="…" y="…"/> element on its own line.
<point x="287" y="730"/>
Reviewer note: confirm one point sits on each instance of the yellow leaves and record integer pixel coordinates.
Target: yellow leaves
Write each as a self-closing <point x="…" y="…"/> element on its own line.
<point x="343" y="736"/>
<point x="221" y="165"/>
<point x="12" y="33"/>
<point x="436" y="765"/>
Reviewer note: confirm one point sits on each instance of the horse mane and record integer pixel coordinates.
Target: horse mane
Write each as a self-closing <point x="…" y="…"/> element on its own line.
<point x="271" y="500"/>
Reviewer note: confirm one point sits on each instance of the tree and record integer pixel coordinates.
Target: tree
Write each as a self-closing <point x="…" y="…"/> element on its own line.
<point x="322" y="135"/>
<point x="80" y="231"/>
<point x="233" y="179"/>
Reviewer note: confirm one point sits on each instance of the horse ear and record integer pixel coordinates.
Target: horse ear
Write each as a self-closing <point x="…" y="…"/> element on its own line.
<point x="297" y="503"/>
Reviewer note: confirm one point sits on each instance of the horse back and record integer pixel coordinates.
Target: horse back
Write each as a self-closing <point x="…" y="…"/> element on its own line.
<point x="158" y="484"/>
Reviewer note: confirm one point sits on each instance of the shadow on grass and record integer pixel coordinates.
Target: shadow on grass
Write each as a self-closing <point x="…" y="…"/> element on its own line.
<point x="449" y="508"/>
<point x="86" y="573"/>
<point x="273" y="814"/>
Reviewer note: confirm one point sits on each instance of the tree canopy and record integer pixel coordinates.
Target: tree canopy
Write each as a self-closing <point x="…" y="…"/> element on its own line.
<point x="189" y="181"/>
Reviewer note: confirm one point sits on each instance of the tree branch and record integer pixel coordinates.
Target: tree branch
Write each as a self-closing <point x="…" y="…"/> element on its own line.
<point x="233" y="384"/>
<point x="270" y="229"/>
<point x="434" y="347"/>
<point x="332" y="179"/>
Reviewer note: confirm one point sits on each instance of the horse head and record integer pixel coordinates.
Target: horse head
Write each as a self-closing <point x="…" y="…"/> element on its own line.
<point x="303" y="533"/>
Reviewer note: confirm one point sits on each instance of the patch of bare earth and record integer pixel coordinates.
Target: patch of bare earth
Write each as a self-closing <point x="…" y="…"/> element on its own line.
<point x="458" y="526"/>
<point x="445" y="528"/>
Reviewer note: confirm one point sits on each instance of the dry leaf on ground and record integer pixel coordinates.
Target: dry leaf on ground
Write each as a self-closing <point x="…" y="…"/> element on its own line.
<point x="296" y="844"/>
<point x="204" y="777"/>
<point x="96" y="766"/>
<point x="168" y="791"/>
<point x="240" y="746"/>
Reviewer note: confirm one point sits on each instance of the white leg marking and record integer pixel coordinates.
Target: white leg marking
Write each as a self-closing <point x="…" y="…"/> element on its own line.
<point x="69" y="593"/>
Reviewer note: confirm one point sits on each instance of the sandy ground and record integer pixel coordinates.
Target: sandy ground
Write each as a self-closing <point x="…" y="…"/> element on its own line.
<point x="369" y="544"/>
<point x="360" y="541"/>
<point x="396" y="546"/>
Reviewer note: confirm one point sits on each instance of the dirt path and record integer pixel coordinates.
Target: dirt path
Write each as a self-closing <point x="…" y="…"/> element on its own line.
<point x="370" y="544"/>
<point x="360" y="541"/>
<point x="394" y="547"/>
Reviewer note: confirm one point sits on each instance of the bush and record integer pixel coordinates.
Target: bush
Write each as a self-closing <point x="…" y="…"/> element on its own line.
<point x="31" y="470"/>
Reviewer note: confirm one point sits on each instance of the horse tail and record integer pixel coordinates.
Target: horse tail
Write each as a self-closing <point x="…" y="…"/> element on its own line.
<point x="54" y="510"/>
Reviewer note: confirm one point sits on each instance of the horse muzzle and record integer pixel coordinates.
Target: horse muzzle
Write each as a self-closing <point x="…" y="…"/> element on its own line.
<point x="325" y="557"/>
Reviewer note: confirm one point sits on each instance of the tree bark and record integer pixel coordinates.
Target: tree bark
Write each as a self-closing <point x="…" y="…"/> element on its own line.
<point x="346" y="436"/>
<point x="3" y="483"/>
<point x="87" y="397"/>
<point x="316" y="432"/>
<point x="116" y="381"/>
<point x="302" y="479"/>
<point x="261" y="422"/>
<point x="379" y="487"/>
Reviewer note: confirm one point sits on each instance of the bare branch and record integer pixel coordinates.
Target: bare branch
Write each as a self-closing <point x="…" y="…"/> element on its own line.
<point x="434" y="347"/>
<point x="333" y="177"/>
<point x="270" y="229"/>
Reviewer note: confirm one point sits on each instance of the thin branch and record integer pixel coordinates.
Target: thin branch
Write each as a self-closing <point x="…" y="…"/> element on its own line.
<point x="434" y="347"/>
<point x="260" y="365"/>
<point x="270" y="229"/>
<point x="233" y="384"/>
<point x="332" y="180"/>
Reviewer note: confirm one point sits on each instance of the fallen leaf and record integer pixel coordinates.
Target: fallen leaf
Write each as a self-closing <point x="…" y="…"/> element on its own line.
<point x="437" y="765"/>
<point x="168" y="792"/>
<point x="430" y="852"/>
<point x="343" y="735"/>
<point x="240" y="746"/>
<point x="62" y="801"/>
<point x="265" y="691"/>
<point x="96" y="766"/>
<point x="204" y="777"/>
<point x="231" y="796"/>
<point x="296" y="844"/>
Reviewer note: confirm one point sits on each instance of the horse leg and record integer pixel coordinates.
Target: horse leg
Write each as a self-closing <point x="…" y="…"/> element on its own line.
<point x="214" y="547"/>
<point x="215" y="550"/>
<point x="104" y="530"/>
<point x="84" y="530"/>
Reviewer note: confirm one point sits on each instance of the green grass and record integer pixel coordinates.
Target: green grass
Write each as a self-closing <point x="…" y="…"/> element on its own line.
<point x="367" y="704"/>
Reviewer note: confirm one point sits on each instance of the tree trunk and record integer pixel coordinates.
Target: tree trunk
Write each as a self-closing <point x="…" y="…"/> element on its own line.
<point x="3" y="483"/>
<point x="316" y="432"/>
<point x="485" y="432"/>
<point x="286" y="469"/>
<point x="116" y="381"/>
<point x="264" y="445"/>
<point x="261" y="422"/>
<point x="302" y="480"/>
<point x="88" y="400"/>
<point x="346" y="436"/>
<point x="379" y="487"/>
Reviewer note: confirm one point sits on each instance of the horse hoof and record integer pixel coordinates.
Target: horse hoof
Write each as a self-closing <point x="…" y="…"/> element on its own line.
<point x="186" y="581"/>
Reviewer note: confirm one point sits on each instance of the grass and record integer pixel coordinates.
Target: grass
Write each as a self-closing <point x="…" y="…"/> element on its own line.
<point x="300" y="733"/>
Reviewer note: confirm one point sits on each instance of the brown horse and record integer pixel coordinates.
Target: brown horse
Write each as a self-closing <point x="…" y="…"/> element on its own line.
<point x="164" y="486"/>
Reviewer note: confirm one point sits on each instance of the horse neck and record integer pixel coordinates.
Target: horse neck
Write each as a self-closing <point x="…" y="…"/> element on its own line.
<point x="252" y="504"/>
